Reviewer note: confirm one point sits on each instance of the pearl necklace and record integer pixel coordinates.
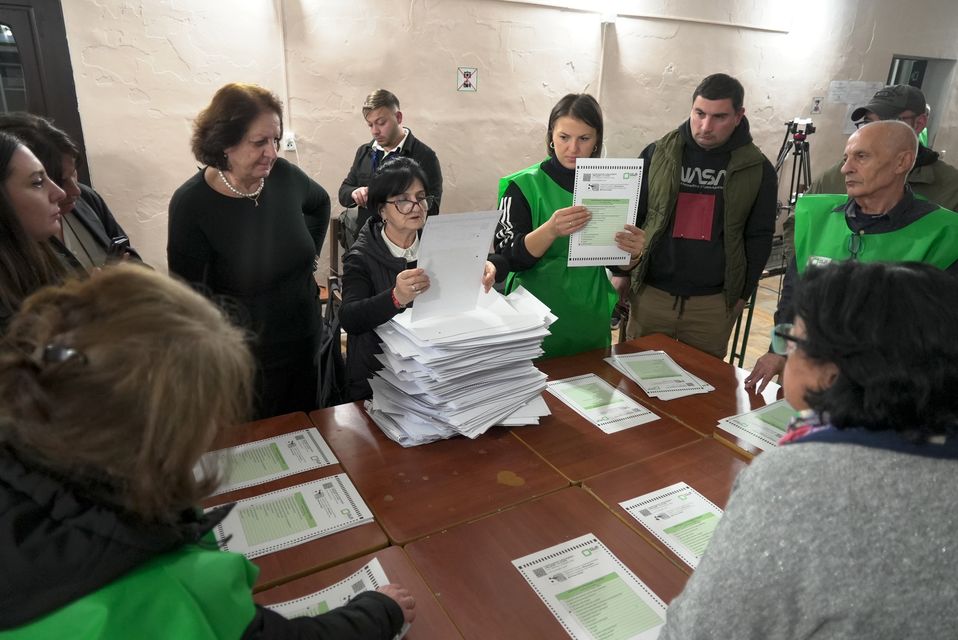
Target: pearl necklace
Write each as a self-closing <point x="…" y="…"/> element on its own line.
<point x="254" y="195"/>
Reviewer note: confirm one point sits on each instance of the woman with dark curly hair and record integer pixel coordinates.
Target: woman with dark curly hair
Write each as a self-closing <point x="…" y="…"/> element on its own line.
<point x="248" y="227"/>
<point x="848" y="529"/>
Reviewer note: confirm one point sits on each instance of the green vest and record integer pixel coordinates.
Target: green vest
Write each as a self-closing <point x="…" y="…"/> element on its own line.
<point x="581" y="297"/>
<point x="743" y="178"/>
<point x="822" y="234"/>
<point x="191" y="593"/>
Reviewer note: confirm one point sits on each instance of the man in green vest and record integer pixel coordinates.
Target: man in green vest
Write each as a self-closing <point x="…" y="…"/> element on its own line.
<point x="707" y="205"/>
<point x="880" y="220"/>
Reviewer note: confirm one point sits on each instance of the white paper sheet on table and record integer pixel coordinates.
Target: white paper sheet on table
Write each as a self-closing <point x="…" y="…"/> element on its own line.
<point x="600" y="403"/>
<point x="659" y="375"/>
<point x="269" y="459"/>
<point x="369" y="577"/>
<point x="609" y="187"/>
<point x="762" y="427"/>
<point x="591" y="593"/>
<point x="288" y="517"/>
<point x="453" y="253"/>
<point x="680" y="517"/>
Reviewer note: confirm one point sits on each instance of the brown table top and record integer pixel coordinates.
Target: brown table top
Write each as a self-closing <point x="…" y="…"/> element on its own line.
<point x="579" y="449"/>
<point x="706" y="466"/>
<point x="281" y="566"/>
<point x="431" y="621"/>
<point x="470" y="567"/>
<point x="421" y="490"/>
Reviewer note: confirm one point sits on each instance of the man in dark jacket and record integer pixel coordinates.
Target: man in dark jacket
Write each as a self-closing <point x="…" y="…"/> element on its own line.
<point x="707" y="206"/>
<point x="382" y="114"/>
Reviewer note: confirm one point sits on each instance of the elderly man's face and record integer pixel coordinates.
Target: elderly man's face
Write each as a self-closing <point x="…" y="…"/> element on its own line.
<point x="869" y="164"/>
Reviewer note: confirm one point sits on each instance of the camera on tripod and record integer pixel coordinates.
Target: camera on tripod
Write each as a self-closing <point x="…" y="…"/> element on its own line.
<point x="800" y="128"/>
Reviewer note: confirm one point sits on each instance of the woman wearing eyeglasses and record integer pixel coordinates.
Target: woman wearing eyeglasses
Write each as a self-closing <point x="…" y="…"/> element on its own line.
<point x="380" y="277"/>
<point x="847" y="529"/>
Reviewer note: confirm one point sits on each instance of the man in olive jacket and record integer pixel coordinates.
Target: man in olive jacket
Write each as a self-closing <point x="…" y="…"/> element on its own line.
<point x="707" y="205"/>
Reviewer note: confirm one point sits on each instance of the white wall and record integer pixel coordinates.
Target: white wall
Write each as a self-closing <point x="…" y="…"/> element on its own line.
<point x="144" y="68"/>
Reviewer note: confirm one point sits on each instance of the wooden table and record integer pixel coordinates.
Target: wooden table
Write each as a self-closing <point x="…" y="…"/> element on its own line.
<point x="421" y="490"/>
<point x="706" y="466"/>
<point x="431" y="621"/>
<point x="282" y="566"/>
<point x="579" y="449"/>
<point x="470" y="567"/>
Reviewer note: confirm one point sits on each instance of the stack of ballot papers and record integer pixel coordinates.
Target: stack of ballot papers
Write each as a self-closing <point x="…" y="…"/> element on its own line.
<point x="659" y="375"/>
<point x="462" y="373"/>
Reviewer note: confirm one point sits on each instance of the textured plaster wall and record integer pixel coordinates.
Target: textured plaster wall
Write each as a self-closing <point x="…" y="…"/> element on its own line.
<point x="144" y="68"/>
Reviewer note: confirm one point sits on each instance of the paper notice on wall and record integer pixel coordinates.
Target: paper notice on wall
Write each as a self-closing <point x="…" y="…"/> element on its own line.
<point x="852" y="91"/>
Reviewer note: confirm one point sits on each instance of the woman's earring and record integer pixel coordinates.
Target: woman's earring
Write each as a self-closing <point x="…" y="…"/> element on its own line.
<point x="552" y="145"/>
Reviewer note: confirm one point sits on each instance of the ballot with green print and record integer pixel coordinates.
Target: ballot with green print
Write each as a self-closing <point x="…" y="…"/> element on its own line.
<point x="591" y="593"/>
<point x="265" y="460"/>
<point x="288" y="517"/>
<point x="658" y="374"/>
<point x="679" y="516"/>
<point x="600" y="403"/>
<point x="763" y="427"/>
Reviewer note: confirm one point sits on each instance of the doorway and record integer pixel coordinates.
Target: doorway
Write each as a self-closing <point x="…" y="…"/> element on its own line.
<point x="35" y="70"/>
<point x="931" y="75"/>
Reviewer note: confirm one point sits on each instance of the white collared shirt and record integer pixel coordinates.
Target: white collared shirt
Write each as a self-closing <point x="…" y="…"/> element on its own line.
<point x="411" y="254"/>
<point x="396" y="149"/>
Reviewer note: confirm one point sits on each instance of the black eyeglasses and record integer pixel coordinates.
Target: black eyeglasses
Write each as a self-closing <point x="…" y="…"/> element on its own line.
<point x="405" y="206"/>
<point x="856" y="242"/>
<point x="783" y="342"/>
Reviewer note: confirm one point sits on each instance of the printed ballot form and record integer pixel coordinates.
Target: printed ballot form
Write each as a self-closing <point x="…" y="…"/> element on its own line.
<point x="591" y="593"/>
<point x="259" y="462"/>
<point x="368" y="578"/>
<point x="609" y="188"/>
<point x="600" y="403"/>
<point x="680" y="517"/>
<point x="659" y="375"/>
<point x="288" y="517"/>
<point x="762" y="427"/>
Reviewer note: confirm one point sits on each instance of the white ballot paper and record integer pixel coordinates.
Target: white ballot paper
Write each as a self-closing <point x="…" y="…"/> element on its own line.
<point x="591" y="593"/>
<point x="609" y="187"/>
<point x="680" y="517"/>
<point x="762" y="427"/>
<point x="600" y="403"/>
<point x="368" y="578"/>
<point x="659" y="375"/>
<point x="288" y="517"/>
<point x="258" y="462"/>
<point x="453" y="253"/>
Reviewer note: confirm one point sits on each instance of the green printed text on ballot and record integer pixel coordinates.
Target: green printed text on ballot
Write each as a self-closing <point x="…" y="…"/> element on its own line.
<point x="609" y="609"/>
<point x="591" y="396"/>
<point x="695" y="533"/>
<point x="256" y="463"/>
<point x="276" y="519"/>
<point x="317" y="609"/>
<point x="778" y="417"/>
<point x="608" y="216"/>
<point x="651" y="369"/>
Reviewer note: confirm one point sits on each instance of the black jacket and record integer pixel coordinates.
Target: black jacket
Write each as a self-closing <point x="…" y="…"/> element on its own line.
<point x="91" y="210"/>
<point x="361" y="171"/>
<point x="369" y="275"/>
